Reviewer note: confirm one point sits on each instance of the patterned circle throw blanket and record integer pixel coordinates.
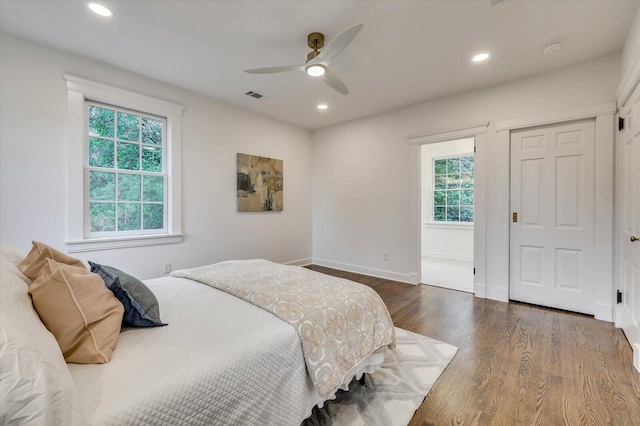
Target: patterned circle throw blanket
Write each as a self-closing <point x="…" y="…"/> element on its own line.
<point x="339" y="322"/>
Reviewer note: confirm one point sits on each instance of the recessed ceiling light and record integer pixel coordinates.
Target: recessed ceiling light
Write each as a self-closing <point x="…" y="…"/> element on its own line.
<point x="481" y="57"/>
<point x="323" y="106"/>
<point x="100" y="9"/>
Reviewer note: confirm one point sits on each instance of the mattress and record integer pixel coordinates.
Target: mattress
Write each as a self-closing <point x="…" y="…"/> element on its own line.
<point x="221" y="361"/>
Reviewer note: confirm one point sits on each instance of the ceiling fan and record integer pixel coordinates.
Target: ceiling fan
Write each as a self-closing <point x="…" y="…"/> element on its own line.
<point x="317" y="62"/>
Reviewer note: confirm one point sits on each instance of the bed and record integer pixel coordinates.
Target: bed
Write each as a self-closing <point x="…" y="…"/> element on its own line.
<point x="220" y="361"/>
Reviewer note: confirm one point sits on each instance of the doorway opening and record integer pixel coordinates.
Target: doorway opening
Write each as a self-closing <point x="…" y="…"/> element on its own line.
<point x="447" y="212"/>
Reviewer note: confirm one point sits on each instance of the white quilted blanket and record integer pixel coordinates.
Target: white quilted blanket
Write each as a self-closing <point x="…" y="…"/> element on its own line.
<point x="339" y="322"/>
<point x="245" y="366"/>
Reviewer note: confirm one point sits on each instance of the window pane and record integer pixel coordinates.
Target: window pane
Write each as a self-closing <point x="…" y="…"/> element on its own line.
<point x="466" y="214"/>
<point x="103" y="217"/>
<point x="466" y="180"/>
<point x="101" y="153"/>
<point x="441" y="182"/>
<point x="439" y="198"/>
<point x="440" y="167"/>
<point x="453" y="198"/>
<point x="466" y="197"/>
<point x="128" y="127"/>
<point x="102" y="186"/>
<point x="453" y="180"/>
<point x="153" y="188"/>
<point x="453" y="214"/>
<point x="100" y="121"/>
<point x="153" y="216"/>
<point x="466" y="164"/>
<point x="128" y="187"/>
<point x="439" y="214"/>
<point x="151" y="131"/>
<point x="128" y="156"/>
<point x="128" y="216"/>
<point x="453" y="165"/>
<point x="151" y="159"/>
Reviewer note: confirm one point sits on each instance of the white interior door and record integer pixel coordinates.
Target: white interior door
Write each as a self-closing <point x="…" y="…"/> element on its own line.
<point x="629" y="224"/>
<point x="552" y="194"/>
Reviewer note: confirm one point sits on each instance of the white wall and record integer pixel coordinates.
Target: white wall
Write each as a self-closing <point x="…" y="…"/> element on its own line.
<point x="631" y="48"/>
<point x="33" y="105"/>
<point x="452" y="241"/>
<point x="361" y="169"/>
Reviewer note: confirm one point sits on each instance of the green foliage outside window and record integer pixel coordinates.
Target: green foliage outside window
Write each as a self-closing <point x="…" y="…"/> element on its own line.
<point x="126" y="180"/>
<point x="453" y="189"/>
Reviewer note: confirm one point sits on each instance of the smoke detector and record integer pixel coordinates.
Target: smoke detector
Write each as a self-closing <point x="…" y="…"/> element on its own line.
<point x="551" y="48"/>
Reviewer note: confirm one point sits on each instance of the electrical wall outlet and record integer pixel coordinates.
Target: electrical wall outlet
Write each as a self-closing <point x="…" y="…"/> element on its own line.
<point x="166" y="268"/>
<point x="385" y="256"/>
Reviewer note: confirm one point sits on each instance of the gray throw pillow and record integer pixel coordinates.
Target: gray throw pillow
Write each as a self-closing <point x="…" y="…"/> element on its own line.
<point x="140" y="304"/>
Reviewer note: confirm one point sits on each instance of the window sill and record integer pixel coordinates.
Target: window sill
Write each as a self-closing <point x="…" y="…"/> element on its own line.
<point x="451" y="225"/>
<point x="96" y="244"/>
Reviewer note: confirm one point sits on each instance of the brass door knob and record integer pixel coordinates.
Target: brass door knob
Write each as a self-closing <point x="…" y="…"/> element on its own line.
<point x="634" y="238"/>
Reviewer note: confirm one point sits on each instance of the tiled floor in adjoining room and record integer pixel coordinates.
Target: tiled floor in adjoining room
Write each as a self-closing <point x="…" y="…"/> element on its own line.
<point x="453" y="274"/>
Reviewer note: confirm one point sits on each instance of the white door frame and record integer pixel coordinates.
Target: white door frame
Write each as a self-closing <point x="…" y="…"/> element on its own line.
<point x="604" y="115"/>
<point x="478" y="131"/>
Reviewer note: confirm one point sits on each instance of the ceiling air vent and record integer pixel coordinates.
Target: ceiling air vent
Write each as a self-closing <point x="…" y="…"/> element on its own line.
<point x="253" y="94"/>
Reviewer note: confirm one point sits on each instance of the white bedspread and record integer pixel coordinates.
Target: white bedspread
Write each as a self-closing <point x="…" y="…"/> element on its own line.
<point x="245" y="366"/>
<point x="340" y="322"/>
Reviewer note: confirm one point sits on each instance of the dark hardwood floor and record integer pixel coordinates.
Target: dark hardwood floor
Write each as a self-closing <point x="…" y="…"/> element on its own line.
<point x="516" y="364"/>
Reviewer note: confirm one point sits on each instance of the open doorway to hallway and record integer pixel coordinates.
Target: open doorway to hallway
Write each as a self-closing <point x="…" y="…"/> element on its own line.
<point x="447" y="214"/>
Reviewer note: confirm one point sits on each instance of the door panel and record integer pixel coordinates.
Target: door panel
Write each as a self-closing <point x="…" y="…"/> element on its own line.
<point x="629" y="208"/>
<point x="569" y="191"/>
<point x="530" y="213"/>
<point x="552" y="190"/>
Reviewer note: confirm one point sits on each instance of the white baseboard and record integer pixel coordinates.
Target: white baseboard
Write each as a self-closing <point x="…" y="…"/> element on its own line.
<point x="379" y="273"/>
<point x="636" y="356"/>
<point x="480" y="290"/>
<point x="603" y="312"/>
<point x="447" y="256"/>
<point x="501" y="294"/>
<point x="300" y="262"/>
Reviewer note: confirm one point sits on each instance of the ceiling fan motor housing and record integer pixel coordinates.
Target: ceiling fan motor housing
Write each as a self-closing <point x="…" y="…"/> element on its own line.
<point x="314" y="41"/>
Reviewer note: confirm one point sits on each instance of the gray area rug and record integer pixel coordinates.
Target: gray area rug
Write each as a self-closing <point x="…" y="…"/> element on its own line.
<point x="391" y="394"/>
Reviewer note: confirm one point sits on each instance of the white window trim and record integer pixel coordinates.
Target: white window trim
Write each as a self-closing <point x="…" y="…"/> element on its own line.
<point x="449" y="225"/>
<point x="80" y="90"/>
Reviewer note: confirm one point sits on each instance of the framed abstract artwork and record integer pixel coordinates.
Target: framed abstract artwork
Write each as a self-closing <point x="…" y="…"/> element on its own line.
<point x="259" y="184"/>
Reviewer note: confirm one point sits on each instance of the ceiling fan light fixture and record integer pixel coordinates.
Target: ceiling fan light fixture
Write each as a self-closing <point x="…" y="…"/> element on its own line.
<point x="315" y="70"/>
<point x="480" y="57"/>
<point x="100" y="9"/>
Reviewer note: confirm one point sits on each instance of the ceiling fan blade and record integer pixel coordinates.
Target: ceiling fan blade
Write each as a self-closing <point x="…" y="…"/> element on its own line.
<point x="337" y="45"/>
<point x="271" y="70"/>
<point x="334" y="82"/>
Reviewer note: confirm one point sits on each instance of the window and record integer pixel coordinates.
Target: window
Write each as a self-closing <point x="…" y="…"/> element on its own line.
<point x="124" y="179"/>
<point x="125" y="173"/>
<point x="453" y="189"/>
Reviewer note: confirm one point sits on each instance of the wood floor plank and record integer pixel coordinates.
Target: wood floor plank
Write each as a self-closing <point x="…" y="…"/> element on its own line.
<point x="517" y="364"/>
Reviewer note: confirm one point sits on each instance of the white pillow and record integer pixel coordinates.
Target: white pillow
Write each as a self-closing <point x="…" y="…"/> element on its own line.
<point x="9" y="259"/>
<point x="36" y="387"/>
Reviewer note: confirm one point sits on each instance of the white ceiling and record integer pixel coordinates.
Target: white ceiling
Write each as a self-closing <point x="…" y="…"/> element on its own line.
<point x="408" y="52"/>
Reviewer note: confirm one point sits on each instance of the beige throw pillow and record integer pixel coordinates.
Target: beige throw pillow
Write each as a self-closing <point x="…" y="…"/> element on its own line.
<point x="36" y="259"/>
<point x="77" y="308"/>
